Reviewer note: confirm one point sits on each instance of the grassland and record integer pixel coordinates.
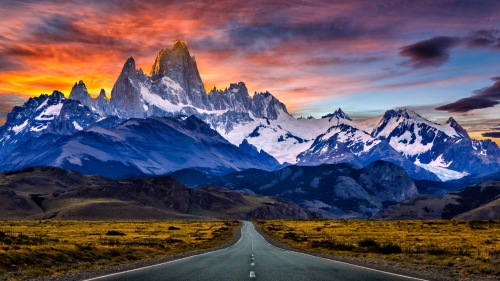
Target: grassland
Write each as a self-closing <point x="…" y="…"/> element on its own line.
<point x="456" y="249"/>
<point x="30" y="249"/>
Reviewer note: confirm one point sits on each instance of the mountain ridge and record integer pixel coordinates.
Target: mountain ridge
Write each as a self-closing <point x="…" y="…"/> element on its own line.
<point x="426" y="150"/>
<point x="54" y="193"/>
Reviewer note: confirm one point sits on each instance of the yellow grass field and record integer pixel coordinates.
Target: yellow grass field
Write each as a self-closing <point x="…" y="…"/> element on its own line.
<point x="455" y="248"/>
<point x="30" y="249"/>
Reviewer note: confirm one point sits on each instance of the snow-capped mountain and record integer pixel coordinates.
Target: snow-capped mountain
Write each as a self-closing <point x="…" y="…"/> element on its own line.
<point x="174" y="87"/>
<point x="345" y="144"/>
<point x="151" y="146"/>
<point x="46" y="114"/>
<point x="434" y="146"/>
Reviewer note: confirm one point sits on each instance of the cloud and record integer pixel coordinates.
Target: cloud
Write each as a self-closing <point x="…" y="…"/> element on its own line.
<point x="491" y="135"/>
<point x="433" y="52"/>
<point x="482" y="98"/>
<point x="64" y="29"/>
<point x="8" y="64"/>
<point x="288" y="49"/>
<point x="7" y="102"/>
<point x="468" y="104"/>
<point x="483" y="39"/>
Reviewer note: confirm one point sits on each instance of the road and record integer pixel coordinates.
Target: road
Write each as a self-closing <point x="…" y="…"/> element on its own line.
<point x="252" y="258"/>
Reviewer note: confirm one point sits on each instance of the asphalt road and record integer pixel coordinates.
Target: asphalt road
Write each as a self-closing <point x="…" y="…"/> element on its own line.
<point x="252" y="258"/>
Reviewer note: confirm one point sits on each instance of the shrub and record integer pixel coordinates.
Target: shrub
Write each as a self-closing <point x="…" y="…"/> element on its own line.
<point x="293" y="236"/>
<point x="115" y="233"/>
<point x="332" y="245"/>
<point x="390" y="249"/>
<point x="367" y="243"/>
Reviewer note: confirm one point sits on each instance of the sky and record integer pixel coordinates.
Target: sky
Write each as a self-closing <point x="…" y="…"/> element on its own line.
<point x="440" y="58"/>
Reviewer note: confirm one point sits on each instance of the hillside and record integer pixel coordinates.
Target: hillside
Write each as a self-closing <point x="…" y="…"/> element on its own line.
<point x="476" y="202"/>
<point x="54" y="193"/>
<point x="334" y="190"/>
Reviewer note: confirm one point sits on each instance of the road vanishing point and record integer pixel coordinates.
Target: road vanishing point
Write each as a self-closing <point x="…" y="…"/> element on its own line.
<point x="253" y="258"/>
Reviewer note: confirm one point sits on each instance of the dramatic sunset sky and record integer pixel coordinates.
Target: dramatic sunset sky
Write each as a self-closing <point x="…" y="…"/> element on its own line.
<point x="440" y="58"/>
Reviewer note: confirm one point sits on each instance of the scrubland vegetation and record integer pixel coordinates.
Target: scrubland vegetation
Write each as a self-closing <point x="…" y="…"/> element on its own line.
<point x="456" y="248"/>
<point x="30" y="249"/>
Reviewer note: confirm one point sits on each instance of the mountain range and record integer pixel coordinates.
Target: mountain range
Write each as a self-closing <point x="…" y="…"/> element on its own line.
<point x="54" y="193"/>
<point x="333" y="190"/>
<point x="164" y="121"/>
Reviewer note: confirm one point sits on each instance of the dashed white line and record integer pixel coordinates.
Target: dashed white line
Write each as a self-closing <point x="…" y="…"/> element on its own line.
<point x="252" y="264"/>
<point x="252" y="274"/>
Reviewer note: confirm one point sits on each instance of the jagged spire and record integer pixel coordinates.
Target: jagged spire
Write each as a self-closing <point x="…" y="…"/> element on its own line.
<point x="79" y="92"/>
<point x="454" y="124"/>
<point x="102" y="95"/>
<point x="175" y="65"/>
<point x="338" y="114"/>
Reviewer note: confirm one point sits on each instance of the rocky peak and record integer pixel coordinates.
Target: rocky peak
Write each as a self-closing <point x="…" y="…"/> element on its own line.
<point x="102" y="105"/>
<point x="265" y="105"/>
<point x="79" y="92"/>
<point x="180" y="69"/>
<point x="236" y="98"/>
<point x="339" y="114"/>
<point x="56" y="96"/>
<point x="129" y="68"/>
<point x="102" y="95"/>
<point x="454" y="124"/>
<point x="263" y="156"/>
<point x="125" y="95"/>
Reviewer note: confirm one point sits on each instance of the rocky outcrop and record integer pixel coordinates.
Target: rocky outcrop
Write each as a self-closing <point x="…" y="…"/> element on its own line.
<point x="459" y="129"/>
<point x="125" y="95"/>
<point x="175" y="66"/>
<point x="102" y="105"/>
<point x="265" y="105"/>
<point x="333" y="190"/>
<point x="479" y="201"/>
<point x="281" y="210"/>
<point x="261" y="155"/>
<point x="79" y="92"/>
<point x="388" y="182"/>
<point x="234" y="98"/>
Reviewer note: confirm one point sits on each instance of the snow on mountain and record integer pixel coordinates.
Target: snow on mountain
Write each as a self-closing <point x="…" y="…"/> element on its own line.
<point x="411" y="134"/>
<point x="174" y="87"/>
<point x="36" y="117"/>
<point x="151" y="146"/>
<point x="430" y="145"/>
<point x="443" y="173"/>
<point x="284" y="138"/>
